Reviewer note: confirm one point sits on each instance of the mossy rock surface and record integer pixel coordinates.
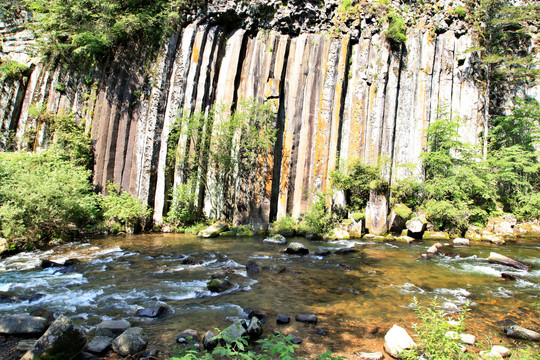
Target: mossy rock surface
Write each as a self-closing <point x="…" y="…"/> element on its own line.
<point x="435" y="235"/>
<point x="403" y="211"/>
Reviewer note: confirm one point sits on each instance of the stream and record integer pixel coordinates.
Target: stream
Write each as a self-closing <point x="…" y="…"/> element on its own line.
<point x="357" y="296"/>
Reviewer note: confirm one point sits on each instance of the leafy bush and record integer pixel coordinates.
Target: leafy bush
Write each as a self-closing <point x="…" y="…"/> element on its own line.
<point x="318" y="220"/>
<point x="183" y="210"/>
<point x="284" y="223"/>
<point x="71" y="140"/>
<point x="408" y="191"/>
<point x="432" y="332"/>
<point x="396" y="29"/>
<point x="12" y="70"/>
<point x="461" y="12"/>
<point x="42" y="196"/>
<point x="120" y="206"/>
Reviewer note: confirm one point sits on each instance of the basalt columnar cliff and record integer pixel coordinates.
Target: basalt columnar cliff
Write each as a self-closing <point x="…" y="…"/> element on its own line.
<point x="339" y="90"/>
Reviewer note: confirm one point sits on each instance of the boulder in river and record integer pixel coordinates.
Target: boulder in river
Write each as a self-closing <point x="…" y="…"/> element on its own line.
<point x="62" y="337"/>
<point x="99" y="344"/>
<point x="504" y="260"/>
<point x="130" y="342"/>
<point x="416" y="226"/>
<point x="296" y="248"/>
<point x="397" y="340"/>
<point x="252" y="267"/>
<point x="461" y="242"/>
<point x="518" y="332"/>
<point x="322" y="252"/>
<point x="282" y="319"/>
<point x="22" y="325"/>
<point x="435" y="235"/>
<point x="307" y="318"/>
<point x="218" y="285"/>
<point x="112" y="328"/>
<point x="214" y="230"/>
<point x="155" y="312"/>
<point x="276" y="239"/>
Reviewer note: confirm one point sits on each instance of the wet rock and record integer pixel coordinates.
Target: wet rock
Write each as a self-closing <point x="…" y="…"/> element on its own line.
<point x="46" y="264"/>
<point x="321" y="332"/>
<point x="501" y="350"/>
<point x="433" y="250"/>
<point x="461" y="242"/>
<point x="130" y="342"/>
<point x="345" y="251"/>
<point x="254" y="313"/>
<point x="282" y="319"/>
<point x="504" y="260"/>
<point x="254" y="329"/>
<point x="416" y="226"/>
<point x="294" y="339"/>
<point x="65" y="270"/>
<point x="296" y="249"/>
<point x="307" y="318"/>
<point x="378" y="355"/>
<point x="276" y="239"/>
<point x="234" y="332"/>
<point x="518" y="332"/>
<point x="10" y="298"/>
<point x="186" y="336"/>
<point x="252" y="267"/>
<point x="99" y="344"/>
<point x="191" y="261"/>
<point x="112" y="328"/>
<point x="209" y="341"/>
<point x="22" y="325"/>
<point x="218" y="285"/>
<point x="322" y="252"/>
<point x="62" y="337"/>
<point x="512" y="277"/>
<point x="155" y="312"/>
<point x="71" y="262"/>
<point x="435" y="235"/>
<point x="396" y="340"/>
<point x="407" y="239"/>
<point x="214" y="230"/>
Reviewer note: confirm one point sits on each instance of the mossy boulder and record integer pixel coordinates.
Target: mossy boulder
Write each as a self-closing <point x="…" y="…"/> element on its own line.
<point x="527" y="230"/>
<point x="474" y="233"/>
<point x="214" y="230"/>
<point x="492" y="238"/>
<point x="218" y="285"/>
<point x="435" y="235"/>
<point x="244" y="230"/>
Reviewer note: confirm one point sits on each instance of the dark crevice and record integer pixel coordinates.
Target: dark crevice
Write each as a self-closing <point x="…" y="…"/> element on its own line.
<point x="402" y="53"/>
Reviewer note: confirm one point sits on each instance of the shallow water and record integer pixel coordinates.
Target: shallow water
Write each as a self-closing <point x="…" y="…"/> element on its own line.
<point x="357" y="296"/>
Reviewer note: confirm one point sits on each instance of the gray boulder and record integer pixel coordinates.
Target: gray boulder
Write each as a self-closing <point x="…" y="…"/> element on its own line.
<point x="254" y="329"/>
<point x="218" y="285"/>
<point x="396" y="340"/>
<point x="307" y="318"/>
<point x="209" y="341"/>
<point x="62" y="337"/>
<point x="296" y="249"/>
<point x="130" y="342"/>
<point x="22" y="325"/>
<point x="99" y="344"/>
<point x="155" y="312"/>
<point x="112" y="328"/>
<point x="416" y="225"/>
<point x="234" y="332"/>
<point x="276" y="239"/>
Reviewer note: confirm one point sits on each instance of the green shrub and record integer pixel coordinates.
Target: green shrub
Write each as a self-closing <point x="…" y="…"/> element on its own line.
<point x="120" y="206"/>
<point x="12" y="70"/>
<point x="183" y="209"/>
<point x="284" y="223"/>
<point x="396" y="29"/>
<point x="42" y="196"/>
<point x="408" y="191"/>
<point x="432" y="332"/>
<point x="318" y="220"/>
<point x="196" y="228"/>
<point x="358" y="215"/>
<point x="71" y="140"/>
<point x="460" y="12"/>
<point x="60" y="87"/>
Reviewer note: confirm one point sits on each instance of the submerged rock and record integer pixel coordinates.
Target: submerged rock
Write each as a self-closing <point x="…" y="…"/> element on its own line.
<point x="504" y="260"/>
<point x="276" y="239"/>
<point x="130" y="342"/>
<point x="518" y="332"/>
<point x="252" y="267"/>
<point x="396" y="340"/>
<point x="296" y="248"/>
<point x="214" y="230"/>
<point x="155" y="312"/>
<point x="282" y="319"/>
<point x="307" y="318"/>
<point x="22" y="325"/>
<point x="345" y="251"/>
<point x="322" y="252"/>
<point x="62" y="337"/>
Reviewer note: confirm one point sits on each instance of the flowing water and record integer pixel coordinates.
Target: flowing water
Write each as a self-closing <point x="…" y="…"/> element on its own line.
<point x="357" y="296"/>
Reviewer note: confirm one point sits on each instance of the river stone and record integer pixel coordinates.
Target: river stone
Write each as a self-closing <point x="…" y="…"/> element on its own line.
<point x="234" y="332"/>
<point x="461" y="242"/>
<point x="254" y="329"/>
<point x="187" y="336"/>
<point x="22" y="325"/>
<point x="501" y="350"/>
<point x="294" y="339"/>
<point x="252" y="267"/>
<point x="62" y="337"/>
<point x="307" y="318"/>
<point x="112" y="328"/>
<point x="276" y="239"/>
<point x="435" y="235"/>
<point x="518" y="332"/>
<point x="377" y="213"/>
<point x="322" y="252"/>
<point x="468" y="339"/>
<point x="45" y="264"/>
<point x="209" y="341"/>
<point x="504" y="260"/>
<point x="282" y="319"/>
<point x="416" y="225"/>
<point x="407" y="239"/>
<point x="396" y="340"/>
<point x="99" y="344"/>
<point x="214" y="230"/>
<point x="218" y="285"/>
<point x="155" y="312"/>
<point x="433" y="250"/>
<point x="130" y="342"/>
<point x="296" y="248"/>
<point x="378" y="355"/>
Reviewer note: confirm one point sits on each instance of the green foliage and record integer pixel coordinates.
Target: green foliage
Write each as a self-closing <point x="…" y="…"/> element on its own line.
<point x="182" y="210"/>
<point x="284" y="223"/>
<point x="195" y="229"/>
<point x="396" y="29"/>
<point x="12" y="70"/>
<point x="432" y="330"/>
<point x="42" y="195"/>
<point x="408" y="191"/>
<point x="355" y="180"/>
<point x="60" y="87"/>
<point x="460" y="12"/>
<point x="72" y="141"/>
<point x="318" y="220"/>
<point x="358" y="215"/>
<point x="122" y="207"/>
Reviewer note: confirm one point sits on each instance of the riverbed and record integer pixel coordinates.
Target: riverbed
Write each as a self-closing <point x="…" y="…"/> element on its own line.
<point x="357" y="296"/>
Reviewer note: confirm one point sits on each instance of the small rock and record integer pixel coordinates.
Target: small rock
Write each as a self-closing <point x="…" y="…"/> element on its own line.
<point x="218" y="285"/>
<point x="501" y="350"/>
<point x="504" y="260"/>
<point x="130" y="342"/>
<point x="252" y="267"/>
<point x="282" y="319"/>
<point x="296" y="249"/>
<point x="294" y="339"/>
<point x="155" y="312"/>
<point x="322" y="252"/>
<point x="321" y="332"/>
<point x="99" y="344"/>
<point x="22" y="325"/>
<point x="112" y="328"/>
<point x="307" y="318"/>
<point x="518" y="332"/>
<point x="488" y="355"/>
<point x="433" y="250"/>
<point x="461" y="242"/>
<point x="378" y="355"/>
<point x="276" y="239"/>
<point x="187" y="336"/>
<point x="345" y="251"/>
<point x="396" y="340"/>
<point x="467" y="339"/>
<point x="209" y="341"/>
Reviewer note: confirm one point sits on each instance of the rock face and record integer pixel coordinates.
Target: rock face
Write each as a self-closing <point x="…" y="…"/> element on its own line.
<point x="61" y="337"/>
<point x="22" y="325"/>
<point x="130" y="342"/>
<point x="396" y="340"/>
<point x="335" y="99"/>
<point x="377" y="213"/>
